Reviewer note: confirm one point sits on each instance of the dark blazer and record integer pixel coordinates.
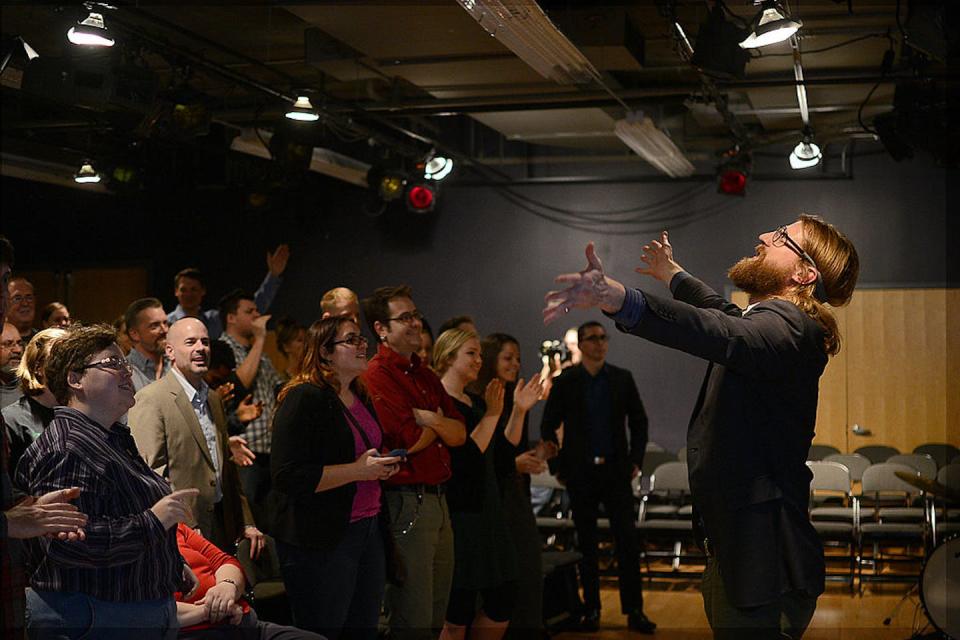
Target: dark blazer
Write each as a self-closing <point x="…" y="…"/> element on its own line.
<point x="567" y="404"/>
<point x="310" y="432"/>
<point x="748" y="438"/>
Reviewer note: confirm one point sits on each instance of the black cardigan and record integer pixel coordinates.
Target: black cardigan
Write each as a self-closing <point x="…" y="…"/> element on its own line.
<point x="309" y="432"/>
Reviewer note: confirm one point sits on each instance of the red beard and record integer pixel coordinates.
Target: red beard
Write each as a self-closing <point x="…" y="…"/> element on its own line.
<point x="754" y="276"/>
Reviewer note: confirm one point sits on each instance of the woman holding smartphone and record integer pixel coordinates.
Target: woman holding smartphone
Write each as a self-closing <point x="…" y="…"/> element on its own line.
<point x="485" y="559"/>
<point x="326" y="470"/>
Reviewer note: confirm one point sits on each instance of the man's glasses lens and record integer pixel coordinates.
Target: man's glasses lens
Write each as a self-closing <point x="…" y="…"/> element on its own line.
<point x="353" y="341"/>
<point x="596" y="338"/>
<point x="408" y="317"/>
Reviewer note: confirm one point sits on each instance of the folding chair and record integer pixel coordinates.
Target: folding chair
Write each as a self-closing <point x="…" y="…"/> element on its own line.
<point x="821" y="451"/>
<point x="665" y="510"/>
<point x="832" y="510"/>
<point x="877" y="453"/>
<point x="941" y="452"/>
<point x="855" y="463"/>
<point x="924" y="464"/>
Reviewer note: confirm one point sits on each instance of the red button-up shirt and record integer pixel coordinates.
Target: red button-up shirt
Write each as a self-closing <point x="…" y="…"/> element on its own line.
<point x="397" y="387"/>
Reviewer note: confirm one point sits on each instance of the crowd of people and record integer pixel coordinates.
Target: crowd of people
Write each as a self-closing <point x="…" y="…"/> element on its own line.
<point x="396" y="484"/>
<point x="137" y="457"/>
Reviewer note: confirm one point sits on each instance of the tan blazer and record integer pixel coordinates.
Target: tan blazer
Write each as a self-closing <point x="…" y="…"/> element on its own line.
<point x="170" y="439"/>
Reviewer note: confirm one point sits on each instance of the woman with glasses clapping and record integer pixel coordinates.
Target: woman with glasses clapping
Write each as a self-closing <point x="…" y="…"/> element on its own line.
<point x="326" y="470"/>
<point x="115" y="577"/>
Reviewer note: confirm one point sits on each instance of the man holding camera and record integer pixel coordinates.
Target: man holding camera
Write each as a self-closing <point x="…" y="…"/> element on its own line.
<point x="597" y="402"/>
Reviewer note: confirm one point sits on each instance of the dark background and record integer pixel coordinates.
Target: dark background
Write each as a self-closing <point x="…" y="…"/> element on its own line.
<point x="481" y="255"/>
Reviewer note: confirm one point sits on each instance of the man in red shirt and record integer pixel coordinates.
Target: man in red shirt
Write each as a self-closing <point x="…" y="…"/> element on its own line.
<point x="417" y="415"/>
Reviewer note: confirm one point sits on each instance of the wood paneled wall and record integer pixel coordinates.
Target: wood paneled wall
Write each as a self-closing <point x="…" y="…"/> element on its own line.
<point x="898" y="372"/>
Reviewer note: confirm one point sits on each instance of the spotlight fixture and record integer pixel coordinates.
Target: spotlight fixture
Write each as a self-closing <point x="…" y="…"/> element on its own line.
<point x="772" y="24"/>
<point x="386" y="181"/>
<point x="718" y="52"/>
<point x="523" y="27"/>
<point x="86" y="174"/>
<point x="733" y="172"/>
<point x="302" y="110"/>
<point x="421" y="198"/>
<point x="91" y="31"/>
<point x="437" y="168"/>
<point x="806" y="154"/>
<point x="638" y="132"/>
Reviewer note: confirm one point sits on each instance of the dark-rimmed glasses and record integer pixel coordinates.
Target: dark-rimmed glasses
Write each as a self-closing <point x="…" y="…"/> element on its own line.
<point x="353" y="340"/>
<point x="598" y="338"/>
<point x="114" y="364"/>
<point x="781" y="238"/>
<point x="408" y="318"/>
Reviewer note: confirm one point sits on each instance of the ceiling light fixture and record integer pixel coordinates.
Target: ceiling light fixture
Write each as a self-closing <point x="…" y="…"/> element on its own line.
<point x="91" y="31"/>
<point x="523" y="27"/>
<point x="638" y="132"/>
<point x="806" y="154"/>
<point x="772" y="24"/>
<point x="86" y="174"/>
<point x="437" y="168"/>
<point x="303" y="111"/>
<point x="421" y="198"/>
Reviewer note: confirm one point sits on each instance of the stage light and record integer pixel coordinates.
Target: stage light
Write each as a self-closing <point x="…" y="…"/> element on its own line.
<point x="772" y="24"/>
<point x="806" y="154"/>
<point x="303" y="111"/>
<point x="437" y="168"/>
<point x="421" y="198"/>
<point x="86" y="174"/>
<point x="734" y="172"/>
<point x="718" y="52"/>
<point x="638" y="132"/>
<point x="91" y="31"/>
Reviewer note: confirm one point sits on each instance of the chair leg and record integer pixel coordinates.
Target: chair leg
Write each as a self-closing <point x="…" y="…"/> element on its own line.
<point x="677" y="548"/>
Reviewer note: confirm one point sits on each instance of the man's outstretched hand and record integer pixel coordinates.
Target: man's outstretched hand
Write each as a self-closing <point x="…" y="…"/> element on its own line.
<point x="658" y="257"/>
<point x="586" y="289"/>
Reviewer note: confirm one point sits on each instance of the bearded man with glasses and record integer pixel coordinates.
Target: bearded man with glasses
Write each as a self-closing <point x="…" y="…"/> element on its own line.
<point x="417" y="415"/>
<point x="753" y="423"/>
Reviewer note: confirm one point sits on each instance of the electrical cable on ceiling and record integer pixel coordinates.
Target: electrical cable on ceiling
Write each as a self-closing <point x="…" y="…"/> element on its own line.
<point x="760" y="54"/>
<point x="603" y="215"/>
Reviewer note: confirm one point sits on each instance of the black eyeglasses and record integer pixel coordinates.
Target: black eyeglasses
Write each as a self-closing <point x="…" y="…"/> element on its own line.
<point x="353" y="340"/>
<point x="113" y="364"/>
<point x="781" y="238"/>
<point x="600" y="338"/>
<point x="408" y="318"/>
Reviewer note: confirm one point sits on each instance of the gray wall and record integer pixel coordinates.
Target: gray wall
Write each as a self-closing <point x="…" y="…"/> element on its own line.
<point x="490" y="259"/>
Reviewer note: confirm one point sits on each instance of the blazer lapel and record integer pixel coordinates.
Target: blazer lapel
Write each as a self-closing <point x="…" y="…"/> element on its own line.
<point x="189" y="417"/>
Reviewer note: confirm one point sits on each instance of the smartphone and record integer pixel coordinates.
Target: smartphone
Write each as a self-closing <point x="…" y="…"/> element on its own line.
<point x="396" y="453"/>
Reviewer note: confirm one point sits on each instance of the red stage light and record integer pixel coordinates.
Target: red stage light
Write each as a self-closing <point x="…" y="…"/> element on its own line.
<point x="733" y="182"/>
<point x="420" y="199"/>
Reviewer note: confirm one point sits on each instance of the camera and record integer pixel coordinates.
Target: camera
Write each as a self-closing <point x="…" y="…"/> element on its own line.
<point x="549" y="349"/>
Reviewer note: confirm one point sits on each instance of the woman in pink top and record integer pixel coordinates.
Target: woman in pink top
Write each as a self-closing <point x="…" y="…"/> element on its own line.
<point x="325" y="501"/>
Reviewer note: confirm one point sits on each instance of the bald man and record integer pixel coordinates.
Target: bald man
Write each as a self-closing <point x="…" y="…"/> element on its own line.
<point x="181" y="431"/>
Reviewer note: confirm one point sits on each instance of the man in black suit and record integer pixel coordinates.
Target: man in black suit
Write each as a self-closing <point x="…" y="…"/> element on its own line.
<point x="596" y="401"/>
<point x="754" y="418"/>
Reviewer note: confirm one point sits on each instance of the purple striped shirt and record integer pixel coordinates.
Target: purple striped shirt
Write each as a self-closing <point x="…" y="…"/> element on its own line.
<point x="127" y="556"/>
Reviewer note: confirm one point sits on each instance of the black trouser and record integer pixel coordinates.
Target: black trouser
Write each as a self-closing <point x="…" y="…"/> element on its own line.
<point x="256" y="483"/>
<point x="610" y="485"/>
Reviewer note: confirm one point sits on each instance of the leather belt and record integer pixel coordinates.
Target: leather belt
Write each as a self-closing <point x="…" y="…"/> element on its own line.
<point x="419" y="488"/>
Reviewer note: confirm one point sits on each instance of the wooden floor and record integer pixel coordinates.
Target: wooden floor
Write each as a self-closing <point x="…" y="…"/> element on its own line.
<point x="677" y="608"/>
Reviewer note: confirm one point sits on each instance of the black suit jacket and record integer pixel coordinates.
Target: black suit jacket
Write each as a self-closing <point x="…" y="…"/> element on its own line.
<point x="748" y="438"/>
<point x="567" y="405"/>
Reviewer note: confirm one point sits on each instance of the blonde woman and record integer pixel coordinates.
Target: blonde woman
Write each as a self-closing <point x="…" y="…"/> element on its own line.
<point x="27" y="418"/>
<point x="485" y="560"/>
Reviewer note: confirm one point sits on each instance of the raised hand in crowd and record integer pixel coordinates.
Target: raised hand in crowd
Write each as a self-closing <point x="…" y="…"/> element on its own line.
<point x="527" y="394"/>
<point x="248" y="410"/>
<point x="260" y="327"/>
<point x="493" y="397"/>
<point x="239" y="452"/>
<point x="277" y="260"/>
<point x="50" y="515"/>
<point x="171" y="509"/>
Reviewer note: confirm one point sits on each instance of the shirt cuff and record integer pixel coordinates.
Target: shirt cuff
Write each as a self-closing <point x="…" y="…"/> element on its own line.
<point x="677" y="280"/>
<point x="634" y="306"/>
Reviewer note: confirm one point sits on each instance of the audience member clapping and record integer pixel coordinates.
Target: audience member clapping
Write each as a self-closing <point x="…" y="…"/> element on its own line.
<point x="122" y="575"/>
